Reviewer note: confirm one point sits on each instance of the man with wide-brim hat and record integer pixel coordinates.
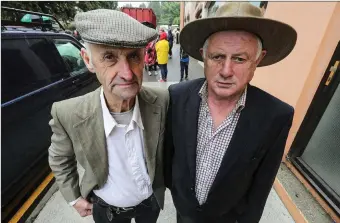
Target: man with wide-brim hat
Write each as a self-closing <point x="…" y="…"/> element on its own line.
<point x="225" y="138"/>
<point x="107" y="151"/>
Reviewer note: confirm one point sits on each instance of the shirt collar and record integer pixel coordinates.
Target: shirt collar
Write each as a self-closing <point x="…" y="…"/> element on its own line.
<point x="203" y="93"/>
<point x="241" y="103"/>
<point x="136" y="117"/>
<point x="110" y="122"/>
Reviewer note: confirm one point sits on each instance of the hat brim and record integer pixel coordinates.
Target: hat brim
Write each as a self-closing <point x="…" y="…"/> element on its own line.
<point x="278" y="38"/>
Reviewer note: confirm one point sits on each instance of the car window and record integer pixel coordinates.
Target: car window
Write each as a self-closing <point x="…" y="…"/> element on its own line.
<point x="71" y="56"/>
<point x="27" y="65"/>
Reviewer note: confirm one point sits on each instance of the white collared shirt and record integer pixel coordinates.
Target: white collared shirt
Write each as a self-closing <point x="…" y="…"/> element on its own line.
<point x="128" y="182"/>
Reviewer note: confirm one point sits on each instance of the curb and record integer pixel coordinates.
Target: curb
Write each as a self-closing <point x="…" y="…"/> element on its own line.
<point x="288" y="202"/>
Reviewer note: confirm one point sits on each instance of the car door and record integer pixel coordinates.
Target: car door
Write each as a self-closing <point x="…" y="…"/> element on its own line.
<point x="30" y="75"/>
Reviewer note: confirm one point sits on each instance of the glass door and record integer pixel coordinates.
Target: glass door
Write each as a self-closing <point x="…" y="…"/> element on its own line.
<point x="316" y="148"/>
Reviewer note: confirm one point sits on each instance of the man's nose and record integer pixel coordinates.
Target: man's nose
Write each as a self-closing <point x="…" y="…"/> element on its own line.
<point x="125" y="71"/>
<point x="227" y="68"/>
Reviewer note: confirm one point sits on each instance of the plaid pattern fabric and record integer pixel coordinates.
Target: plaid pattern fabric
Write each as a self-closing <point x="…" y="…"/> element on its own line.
<point x="113" y="28"/>
<point x="211" y="146"/>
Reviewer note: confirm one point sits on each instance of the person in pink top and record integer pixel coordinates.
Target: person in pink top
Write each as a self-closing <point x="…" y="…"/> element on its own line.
<point x="151" y="58"/>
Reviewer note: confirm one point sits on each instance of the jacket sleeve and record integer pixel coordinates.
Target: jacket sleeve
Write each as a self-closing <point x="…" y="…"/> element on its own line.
<point x="62" y="159"/>
<point x="265" y="176"/>
<point x="168" y="146"/>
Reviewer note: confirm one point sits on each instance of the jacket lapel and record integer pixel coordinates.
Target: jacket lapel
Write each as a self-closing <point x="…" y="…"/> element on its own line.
<point x="238" y="146"/>
<point x="151" y="117"/>
<point x="192" y="105"/>
<point x="89" y="127"/>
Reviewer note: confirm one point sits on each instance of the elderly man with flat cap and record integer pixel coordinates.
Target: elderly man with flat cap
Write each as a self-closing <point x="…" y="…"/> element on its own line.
<point x="107" y="146"/>
<point x="224" y="137"/>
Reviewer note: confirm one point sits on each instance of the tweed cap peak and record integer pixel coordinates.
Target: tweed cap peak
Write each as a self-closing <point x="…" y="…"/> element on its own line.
<point x="113" y="28"/>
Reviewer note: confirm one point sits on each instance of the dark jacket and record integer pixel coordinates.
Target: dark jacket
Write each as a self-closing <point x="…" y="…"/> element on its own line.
<point x="170" y="36"/>
<point x="249" y="167"/>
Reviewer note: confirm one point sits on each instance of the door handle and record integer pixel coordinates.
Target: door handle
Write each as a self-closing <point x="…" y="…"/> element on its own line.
<point x="332" y="72"/>
<point x="75" y="81"/>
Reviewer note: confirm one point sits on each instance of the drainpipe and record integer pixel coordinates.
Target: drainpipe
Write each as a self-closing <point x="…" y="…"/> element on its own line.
<point x="181" y="15"/>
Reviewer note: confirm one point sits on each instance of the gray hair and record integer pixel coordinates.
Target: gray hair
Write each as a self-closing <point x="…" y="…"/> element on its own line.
<point x="259" y="47"/>
<point x="88" y="50"/>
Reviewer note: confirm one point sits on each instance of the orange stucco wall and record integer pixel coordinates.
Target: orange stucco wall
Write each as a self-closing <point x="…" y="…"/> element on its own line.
<point x="296" y="78"/>
<point x="318" y="68"/>
<point x="286" y="79"/>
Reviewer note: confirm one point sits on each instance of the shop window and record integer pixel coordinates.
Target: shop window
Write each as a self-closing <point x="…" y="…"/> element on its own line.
<point x="263" y="6"/>
<point x="214" y="5"/>
<point x="199" y="14"/>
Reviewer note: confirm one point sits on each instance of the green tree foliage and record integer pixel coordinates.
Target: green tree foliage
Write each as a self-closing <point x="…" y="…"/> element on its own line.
<point x="128" y="5"/>
<point x="170" y="10"/>
<point x="142" y="5"/>
<point x="63" y="10"/>
<point x="156" y="7"/>
<point x="90" y="5"/>
<point x="166" y="12"/>
<point x="176" y="21"/>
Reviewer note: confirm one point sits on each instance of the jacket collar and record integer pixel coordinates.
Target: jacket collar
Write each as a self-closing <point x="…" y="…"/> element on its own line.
<point x="110" y="122"/>
<point x="91" y="105"/>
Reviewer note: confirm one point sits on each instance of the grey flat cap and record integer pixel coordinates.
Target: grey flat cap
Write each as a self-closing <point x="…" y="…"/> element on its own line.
<point x="113" y="28"/>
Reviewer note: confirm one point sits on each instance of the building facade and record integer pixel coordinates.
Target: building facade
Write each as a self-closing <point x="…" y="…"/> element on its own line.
<point x="308" y="79"/>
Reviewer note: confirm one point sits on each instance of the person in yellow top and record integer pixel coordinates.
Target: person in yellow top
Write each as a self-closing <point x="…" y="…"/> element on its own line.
<point x="162" y="50"/>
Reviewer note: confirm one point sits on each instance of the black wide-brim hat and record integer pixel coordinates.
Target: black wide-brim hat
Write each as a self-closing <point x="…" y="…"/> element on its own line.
<point x="277" y="38"/>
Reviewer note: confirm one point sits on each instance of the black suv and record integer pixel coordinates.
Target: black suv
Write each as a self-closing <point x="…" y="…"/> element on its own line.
<point x="38" y="67"/>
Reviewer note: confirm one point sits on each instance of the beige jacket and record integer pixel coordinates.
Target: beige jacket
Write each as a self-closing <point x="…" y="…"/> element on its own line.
<point x="78" y="154"/>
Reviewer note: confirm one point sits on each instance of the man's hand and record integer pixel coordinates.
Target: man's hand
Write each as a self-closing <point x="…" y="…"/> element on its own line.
<point x="83" y="207"/>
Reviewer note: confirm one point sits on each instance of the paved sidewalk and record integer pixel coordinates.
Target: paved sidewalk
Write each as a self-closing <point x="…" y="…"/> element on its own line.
<point x="57" y="211"/>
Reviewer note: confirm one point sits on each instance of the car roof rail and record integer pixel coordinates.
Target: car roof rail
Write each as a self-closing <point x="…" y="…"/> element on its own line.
<point x="43" y="26"/>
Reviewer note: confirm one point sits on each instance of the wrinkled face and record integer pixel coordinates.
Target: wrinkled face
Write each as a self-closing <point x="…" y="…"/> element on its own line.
<point x="120" y="71"/>
<point x="230" y="62"/>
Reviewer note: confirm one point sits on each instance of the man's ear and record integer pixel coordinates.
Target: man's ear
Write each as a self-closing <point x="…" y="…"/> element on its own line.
<point x="87" y="60"/>
<point x="201" y="52"/>
<point x="262" y="55"/>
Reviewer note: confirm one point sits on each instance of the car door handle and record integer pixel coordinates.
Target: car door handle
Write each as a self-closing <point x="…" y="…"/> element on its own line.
<point x="75" y="81"/>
